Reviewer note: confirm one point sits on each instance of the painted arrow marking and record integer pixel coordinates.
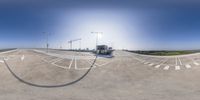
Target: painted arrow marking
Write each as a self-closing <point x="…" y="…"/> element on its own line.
<point x="22" y="58"/>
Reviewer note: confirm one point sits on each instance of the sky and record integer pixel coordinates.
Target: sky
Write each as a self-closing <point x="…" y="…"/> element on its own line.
<point x="125" y="24"/>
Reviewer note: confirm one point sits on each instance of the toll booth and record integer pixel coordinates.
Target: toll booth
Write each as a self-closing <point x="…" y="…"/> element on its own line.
<point x="104" y="50"/>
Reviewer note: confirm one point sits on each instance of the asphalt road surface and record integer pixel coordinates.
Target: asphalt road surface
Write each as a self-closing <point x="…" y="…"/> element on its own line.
<point x="30" y="74"/>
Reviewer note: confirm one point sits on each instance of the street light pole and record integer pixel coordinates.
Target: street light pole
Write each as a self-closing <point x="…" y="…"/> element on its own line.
<point x="47" y="41"/>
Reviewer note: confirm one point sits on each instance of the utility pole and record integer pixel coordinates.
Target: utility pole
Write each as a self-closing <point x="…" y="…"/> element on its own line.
<point x="97" y="37"/>
<point x="47" y="41"/>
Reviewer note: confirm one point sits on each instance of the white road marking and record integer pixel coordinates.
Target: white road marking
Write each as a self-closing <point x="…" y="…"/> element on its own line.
<point x="60" y="66"/>
<point x="157" y="66"/>
<point x="71" y="63"/>
<point x="43" y="59"/>
<point x="76" y="68"/>
<point x="75" y="64"/>
<point x="1" y="61"/>
<point x="166" y="67"/>
<point x="151" y="64"/>
<point x="196" y="63"/>
<point x="176" y="60"/>
<point x="162" y="62"/>
<point x="90" y="62"/>
<point x="138" y="59"/>
<point x="57" y="60"/>
<point x="187" y="66"/>
<point x="22" y="58"/>
<point x="177" y="68"/>
<point x="103" y="63"/>
<point x="64" y="67"/>
<point x="179" y="61"/>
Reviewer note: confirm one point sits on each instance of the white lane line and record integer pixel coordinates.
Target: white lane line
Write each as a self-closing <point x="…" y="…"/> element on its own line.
<point x="57" y="60"/>
<point x="179" y="61"/>
<point x="1" y="61"/>
<point x="103" y="63"/>
<point x="166" y="67"/>
<point x="90" y="62"/>
<point x="161" y="63"/>
<point x="71" y="62"/>
<point x="187" y="66"/>
<point x="176" y="60"/>
<point x="50" y="61"/>
<point x="75" y="64"/>
<point x="151" y="64"/>
<point x="157" y="66"/>
<point x="76" y="68"/>
<point x="43" y="59"/>
<point x="196" y="63"/>
<point x="177" y="68"/>
<point x="22" y="58"/>
<point x="60" y="66"/>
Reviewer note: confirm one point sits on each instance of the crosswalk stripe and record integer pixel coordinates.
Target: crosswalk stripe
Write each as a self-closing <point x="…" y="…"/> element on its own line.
<point x="166" y="68"/>
<point x="187" y="66"/>
<point x="177" y="68"/>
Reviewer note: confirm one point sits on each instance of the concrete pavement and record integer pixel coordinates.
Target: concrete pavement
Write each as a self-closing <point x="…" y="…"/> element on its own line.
<point x="126" y="76"/>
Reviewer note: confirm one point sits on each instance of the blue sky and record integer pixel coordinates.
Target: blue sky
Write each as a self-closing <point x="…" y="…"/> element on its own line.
<point x="126" y="24"/>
